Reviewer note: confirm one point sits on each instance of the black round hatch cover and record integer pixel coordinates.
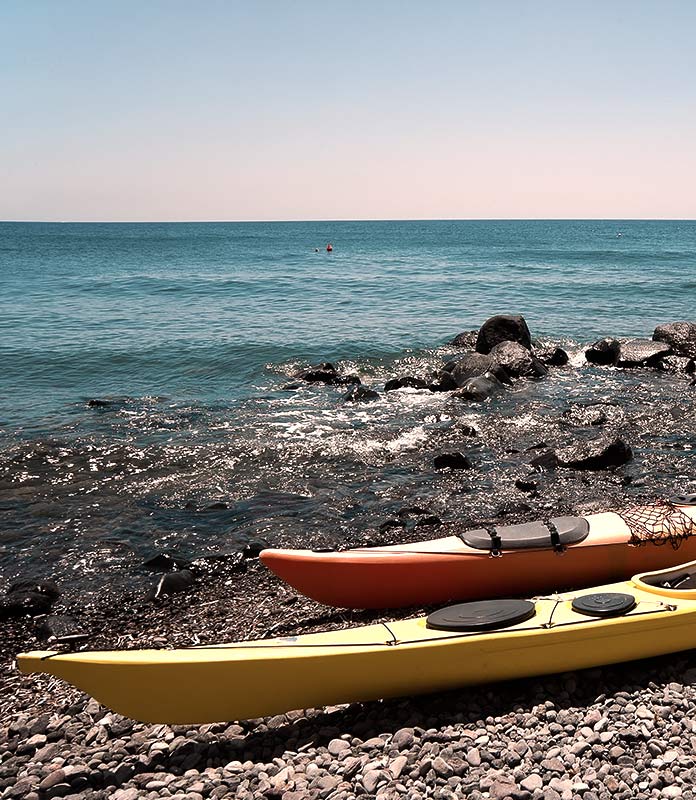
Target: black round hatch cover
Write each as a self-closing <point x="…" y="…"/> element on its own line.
<point x="604" y="604"/>
<point x="482" y="615"/>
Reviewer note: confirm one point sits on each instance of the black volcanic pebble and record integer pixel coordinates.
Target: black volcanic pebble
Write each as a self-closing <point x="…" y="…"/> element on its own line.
<point x="602" y="453"/>
<point x="503" y="328"/>
<point x="604" y="352"/>
<point x="452" y="461"/>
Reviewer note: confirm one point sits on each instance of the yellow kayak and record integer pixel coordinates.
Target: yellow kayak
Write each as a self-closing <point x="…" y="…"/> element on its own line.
<point x="491" y="640"/>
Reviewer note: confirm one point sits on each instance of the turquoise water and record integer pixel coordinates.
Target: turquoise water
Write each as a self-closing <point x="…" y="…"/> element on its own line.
<point x="189" y="335"/>
<point x="197" y="310"/>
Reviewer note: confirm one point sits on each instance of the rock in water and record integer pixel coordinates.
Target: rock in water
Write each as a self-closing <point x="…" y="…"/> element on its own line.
<point x="474" y="365"/>
<point x="479" y="389"/>
<point x="641" y="353"/>
<point x="681" y="336"/>
<point x="677" y="364"/>
<point x="552" y="356"/>
<point x="604" y="352"/>
<point x="517" y="360"/>
<point x="503" y="328"/>
<point x="443" y="383"/>
<point x="172" y="582"/>
<point x="326" y="373"/>
<point x="407" y="382"/>
<point x="452" y="461"/>
<point x="602" y="453"/>
<point x="360" y="394"/>
<point x="28" y="597"/>
<point x="164" y="562"/>
<point x="465" y="339"/>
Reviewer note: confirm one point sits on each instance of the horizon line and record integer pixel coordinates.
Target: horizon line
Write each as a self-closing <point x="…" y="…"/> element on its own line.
<point x="342" y="219"/>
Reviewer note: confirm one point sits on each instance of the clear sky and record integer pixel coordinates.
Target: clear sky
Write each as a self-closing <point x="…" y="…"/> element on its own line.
<point x="347" y="109"/>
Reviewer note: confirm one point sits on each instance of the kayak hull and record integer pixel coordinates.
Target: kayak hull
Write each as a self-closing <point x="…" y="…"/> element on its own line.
<point x="251" y="679"/>
<point x="440" y="571"/>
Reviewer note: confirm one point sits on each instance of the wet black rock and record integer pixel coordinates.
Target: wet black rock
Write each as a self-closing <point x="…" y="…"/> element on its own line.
<point x="681" y="336"/>
<point x="253" y="547"/>
<point x="593" y="414"/>
<point x="172" y="583"/>
<point x="61" y="628"/>
<point x="552" y="356"/>
<point x="165" y="562"/>
<point x="602" y="453"/>
<point x="546" y="461"/>
<point x="676" y="364"/>
<point x="28" y="597"/>
<point x="604" y="352"/>
<point x="360" y="394"/>
<point x="642" y="353"/>
<point x="405" y="382"/>
<point x="479" y="388"/>
<point x="473" y="365"/>
<point x="444" y="382"/>
<point x="326" y="373"/>
<point x="517" y="360"/>
<point x="96" y="402"/>
<point x="465" y="339"/>
<point x="527" y="484"/>
<point x="503" y="328"/>
<point x="452" y="461"/>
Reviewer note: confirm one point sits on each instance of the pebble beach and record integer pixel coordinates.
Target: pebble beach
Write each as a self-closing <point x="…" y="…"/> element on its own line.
<point x="109" y="495"/>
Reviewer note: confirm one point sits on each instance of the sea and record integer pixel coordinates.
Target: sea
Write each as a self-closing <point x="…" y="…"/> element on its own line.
<point x="148" y="398"/>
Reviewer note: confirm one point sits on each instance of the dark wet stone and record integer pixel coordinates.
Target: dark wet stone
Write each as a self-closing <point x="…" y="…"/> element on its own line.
<point x="172" y="583"/>
<point x="28" y="598"/>
<point x="552" y="356"/>
<point x="360" y="394"/>
<point x="96" y="402"/>
<point x="680" y="336"/>
<point x="430" y="520"/>
<point x="62" y="627"/>
<point x="445" y="382"/>
<point x="164" y="562"/>
<point x="405" y="382"/>
<point x="641" y="353"/>
<point x="593" y="414"/>
<point x="604" y="352"/>
<point x="517" y="360"/>
<point x="326" y="373"/>
<point x="472" y="365"/>
<point x="253" y="547"/>
<point x="503" y="328"/>
<point x="527" y="485"/>
<point x="452" y="461"/>
<point x="465" y="339"/>
<point x="479" y="389"/>
<point x="676" y="364"/>
<point x="602" y="453"/>
<point x="546" y="461"/>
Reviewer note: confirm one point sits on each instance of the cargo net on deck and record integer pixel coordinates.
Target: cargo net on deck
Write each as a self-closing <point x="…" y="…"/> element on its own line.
<point x="658" y="523"/>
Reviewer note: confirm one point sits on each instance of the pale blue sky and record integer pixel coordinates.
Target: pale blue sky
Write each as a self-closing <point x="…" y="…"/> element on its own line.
<point x="326" y="110"/>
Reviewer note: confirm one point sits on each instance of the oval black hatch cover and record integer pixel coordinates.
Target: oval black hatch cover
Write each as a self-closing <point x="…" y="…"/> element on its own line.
<point x="481" y="615"/>
<point x="604" y="604"/>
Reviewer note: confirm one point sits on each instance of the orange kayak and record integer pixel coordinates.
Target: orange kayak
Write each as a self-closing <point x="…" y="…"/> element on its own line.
<point x="554" y="555"/>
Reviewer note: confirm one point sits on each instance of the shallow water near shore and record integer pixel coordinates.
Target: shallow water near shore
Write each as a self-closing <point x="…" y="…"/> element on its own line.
<point x="190" y="333"/>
